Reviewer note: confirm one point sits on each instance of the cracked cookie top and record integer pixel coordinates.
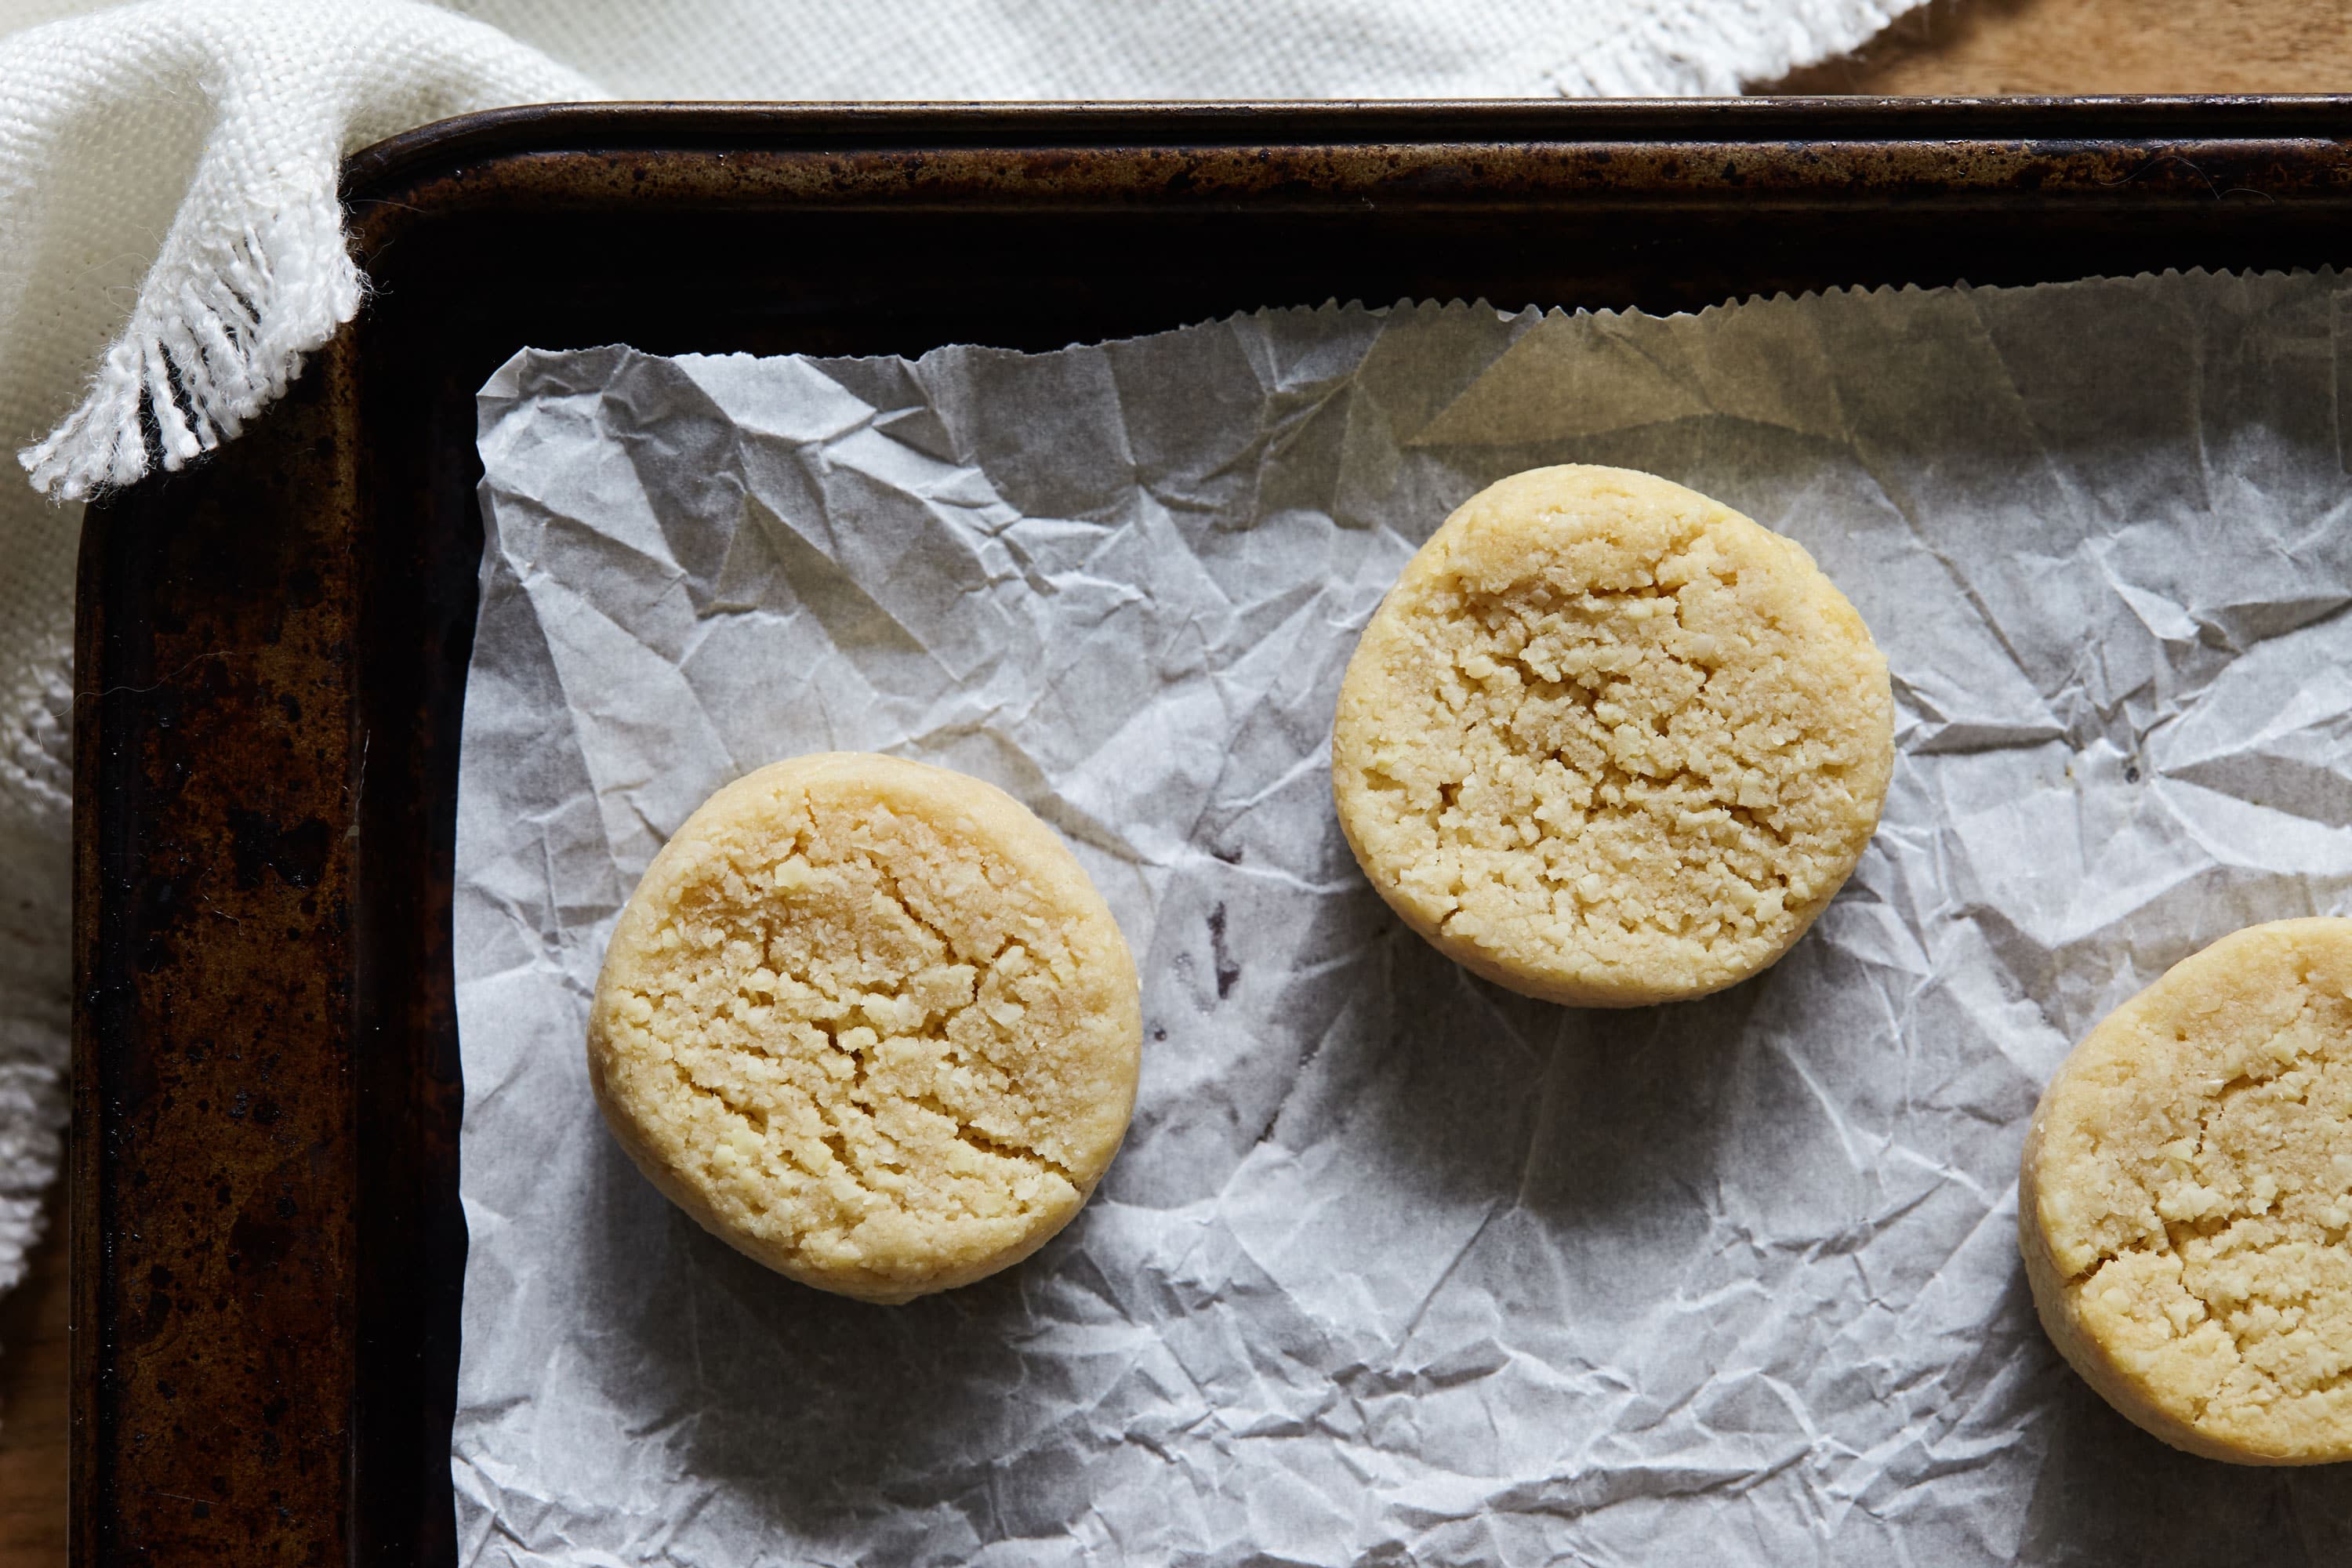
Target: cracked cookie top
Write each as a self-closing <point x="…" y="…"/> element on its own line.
<point x="2185" y="1203"/>
<point x="868" y="1022"/>
<point x="1610" y="742"/>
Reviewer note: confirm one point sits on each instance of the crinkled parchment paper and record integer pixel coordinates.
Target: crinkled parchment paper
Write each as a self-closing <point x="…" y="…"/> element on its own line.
<point x="1397" y="1267"/>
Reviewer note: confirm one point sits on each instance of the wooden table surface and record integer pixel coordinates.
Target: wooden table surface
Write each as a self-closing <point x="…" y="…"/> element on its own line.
<point x="1948" y="47"/>
<point x="1992" y="47"/>
<point x="33" y="1408"/>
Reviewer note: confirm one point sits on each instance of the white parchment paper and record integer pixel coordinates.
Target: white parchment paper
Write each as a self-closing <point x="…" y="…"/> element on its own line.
<point x="1397" y="1267"/>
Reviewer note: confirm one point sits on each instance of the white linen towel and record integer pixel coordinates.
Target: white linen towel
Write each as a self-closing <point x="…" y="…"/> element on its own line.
<point x="170" y="240"/>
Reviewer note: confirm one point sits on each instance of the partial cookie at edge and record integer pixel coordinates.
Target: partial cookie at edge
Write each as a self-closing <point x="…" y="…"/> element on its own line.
<point x="2185" y="1197"/>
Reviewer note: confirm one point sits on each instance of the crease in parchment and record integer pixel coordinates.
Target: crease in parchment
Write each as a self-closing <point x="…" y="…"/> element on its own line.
<point x="1395" y="1266"/>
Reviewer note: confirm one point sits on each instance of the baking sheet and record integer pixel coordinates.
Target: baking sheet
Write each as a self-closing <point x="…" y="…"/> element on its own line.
<point x="1396" y="1267"/>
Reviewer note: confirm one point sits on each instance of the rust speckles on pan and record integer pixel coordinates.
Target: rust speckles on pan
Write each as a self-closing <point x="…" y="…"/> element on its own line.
<point x="272" y="646"/>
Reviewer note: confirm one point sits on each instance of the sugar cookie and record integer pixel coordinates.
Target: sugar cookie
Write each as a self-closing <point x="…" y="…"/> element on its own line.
<point x="867" y="1020"/>
<point x="1608" y="742"/>
<point x="2185" y="1197"/>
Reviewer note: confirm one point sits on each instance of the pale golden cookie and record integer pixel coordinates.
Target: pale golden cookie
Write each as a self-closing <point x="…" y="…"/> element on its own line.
<point x="867" y="1020"/>
<point x="1610" y="742"/>
<point x="2184" y="1196"/>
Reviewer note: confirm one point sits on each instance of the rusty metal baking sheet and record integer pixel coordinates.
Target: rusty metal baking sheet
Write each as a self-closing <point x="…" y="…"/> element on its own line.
<point x="268" y="1241"/>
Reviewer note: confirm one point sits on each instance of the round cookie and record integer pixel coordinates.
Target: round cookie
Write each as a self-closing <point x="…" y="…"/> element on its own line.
<point x="2184" y="1196"/>
<point x="1608" y="743"/>
<point x="868" y="1022"/>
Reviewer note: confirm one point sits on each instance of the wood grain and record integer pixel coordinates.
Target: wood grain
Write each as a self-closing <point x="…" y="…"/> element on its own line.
<point x="1999" y="47"/>
<point x="1951" y="46"/>
<point x="33" y="1407"/>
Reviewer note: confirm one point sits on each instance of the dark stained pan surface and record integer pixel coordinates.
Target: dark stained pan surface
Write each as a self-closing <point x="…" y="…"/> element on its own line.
<point x="268" y="1245"/>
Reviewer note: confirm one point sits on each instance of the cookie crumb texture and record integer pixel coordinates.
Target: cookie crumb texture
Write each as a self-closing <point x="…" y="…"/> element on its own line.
<point x="2186" y="1194"/>
<point x="867" y="1020"/>
<point x="1610" y="742"/>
